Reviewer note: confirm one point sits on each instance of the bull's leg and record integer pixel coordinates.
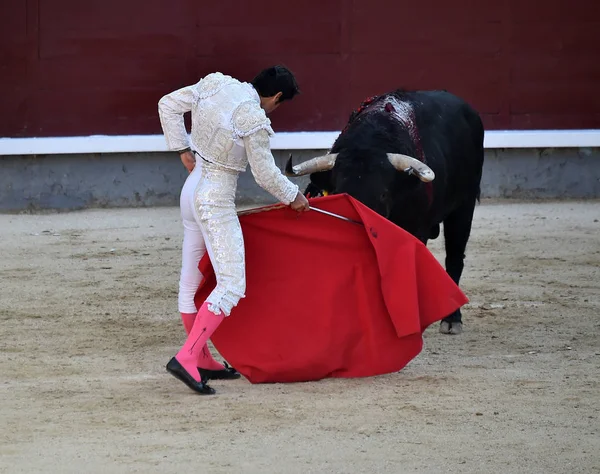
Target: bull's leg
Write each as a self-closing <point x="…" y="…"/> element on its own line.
<point x="457" y="229"/>
<point x="435" y="232"/>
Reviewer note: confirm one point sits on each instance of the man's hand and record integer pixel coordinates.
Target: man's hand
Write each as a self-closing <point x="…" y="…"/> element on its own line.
<point x="188" y="160"/>
<point x="300" y="204"/>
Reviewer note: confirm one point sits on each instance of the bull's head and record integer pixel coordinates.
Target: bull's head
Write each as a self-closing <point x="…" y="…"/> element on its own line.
<point x="366" y="176"/>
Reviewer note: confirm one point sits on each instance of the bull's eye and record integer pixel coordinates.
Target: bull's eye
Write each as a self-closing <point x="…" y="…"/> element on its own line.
<point x="384" y="196"/>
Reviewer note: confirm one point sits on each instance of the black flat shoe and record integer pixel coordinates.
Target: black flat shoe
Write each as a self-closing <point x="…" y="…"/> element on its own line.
<point x="177" y="370"/>
<point x="228" y="373"/>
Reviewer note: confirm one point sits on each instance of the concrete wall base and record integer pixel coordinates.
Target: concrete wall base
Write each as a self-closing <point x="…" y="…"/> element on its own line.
<point x="66" y="182"/>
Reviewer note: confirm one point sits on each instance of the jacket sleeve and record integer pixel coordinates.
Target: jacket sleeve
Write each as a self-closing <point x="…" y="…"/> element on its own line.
<point x="171" y="108"/>
<point x="264" y="170"/>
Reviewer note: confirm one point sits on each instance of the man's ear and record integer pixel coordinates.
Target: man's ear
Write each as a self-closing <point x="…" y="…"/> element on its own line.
<point x="278" y="96"/>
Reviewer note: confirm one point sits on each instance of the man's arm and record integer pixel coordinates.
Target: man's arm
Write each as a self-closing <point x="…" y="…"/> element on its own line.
<point x="171" y="108"/>
<point x="264" y="170"/>
<point x="252" y="125"/>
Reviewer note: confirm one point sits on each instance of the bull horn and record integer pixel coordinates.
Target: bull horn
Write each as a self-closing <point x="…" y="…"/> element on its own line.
<point x="320" y="163"/>
<point x="412" y="165"/>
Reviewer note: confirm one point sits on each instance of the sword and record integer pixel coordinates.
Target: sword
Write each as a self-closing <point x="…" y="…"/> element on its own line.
<point x="281" y="206"/>
<point x="334" y="215"/>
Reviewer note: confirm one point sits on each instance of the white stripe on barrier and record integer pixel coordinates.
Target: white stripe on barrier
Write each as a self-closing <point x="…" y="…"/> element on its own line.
<point x="494" y="139"/>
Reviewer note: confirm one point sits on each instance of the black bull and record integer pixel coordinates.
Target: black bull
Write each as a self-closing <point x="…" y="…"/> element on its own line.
<point x="387" y="157"/>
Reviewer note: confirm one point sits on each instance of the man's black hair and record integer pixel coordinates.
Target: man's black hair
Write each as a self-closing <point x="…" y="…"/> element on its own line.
<point x="276" y="79"/>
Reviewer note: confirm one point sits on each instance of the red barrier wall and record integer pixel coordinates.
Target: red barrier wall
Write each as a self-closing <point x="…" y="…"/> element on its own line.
<point x="73" y="67"/>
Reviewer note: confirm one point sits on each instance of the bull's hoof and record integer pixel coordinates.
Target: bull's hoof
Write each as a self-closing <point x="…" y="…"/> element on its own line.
<point x="451" y="328"/>
<point x="456" y="329"/>
<point x="445" y="327"/>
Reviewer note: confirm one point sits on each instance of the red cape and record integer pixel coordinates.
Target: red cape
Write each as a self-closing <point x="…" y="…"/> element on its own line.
<point x="329" y="298"/>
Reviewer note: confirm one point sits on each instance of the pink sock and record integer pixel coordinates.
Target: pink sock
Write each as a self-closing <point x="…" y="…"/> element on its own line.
<point x="204" y="326"/>
<point x="188" y="321"/>
<point x="206" y="360"/>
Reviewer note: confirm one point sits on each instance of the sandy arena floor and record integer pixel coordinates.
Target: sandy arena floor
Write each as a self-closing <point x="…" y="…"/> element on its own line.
<point x="88" y="319"/>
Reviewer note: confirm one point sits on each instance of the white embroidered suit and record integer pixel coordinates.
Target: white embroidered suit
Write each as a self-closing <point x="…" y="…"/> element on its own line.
<point x="229" y="131"/>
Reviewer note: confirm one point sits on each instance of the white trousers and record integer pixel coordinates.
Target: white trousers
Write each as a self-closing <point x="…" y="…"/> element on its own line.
<point x="210" y="223"/>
